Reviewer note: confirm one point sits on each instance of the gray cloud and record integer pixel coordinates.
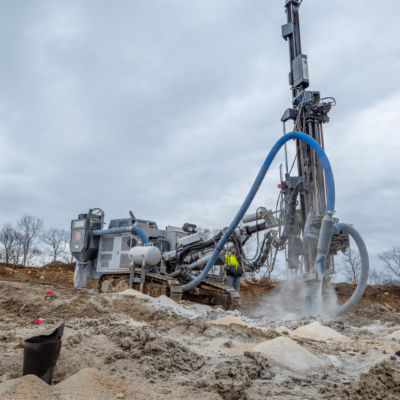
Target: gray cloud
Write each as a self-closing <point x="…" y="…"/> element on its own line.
<point x="169" y="107"/>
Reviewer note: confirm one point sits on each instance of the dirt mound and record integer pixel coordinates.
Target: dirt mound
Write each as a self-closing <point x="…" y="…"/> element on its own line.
<point x="89" y="383"/>
<point x="381" y="382"/>
<point x="27" y="387"/>
<point x="158" y="355"/>
<point x="287" y="353"/>
<point x="59" y="265"/>
<point x="231" y="378"/>
<point x="23" y="301"/>
<point x="254" y="285"/>
<point x="316" y="331"/>
<point x="382" y="294"/>
<point x="55" y="275"/>
<point x="251" y="290"/>
<point x="381" y="302"/>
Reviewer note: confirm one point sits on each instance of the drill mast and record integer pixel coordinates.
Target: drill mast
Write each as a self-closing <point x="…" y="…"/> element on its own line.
<point x="308" y="113"/>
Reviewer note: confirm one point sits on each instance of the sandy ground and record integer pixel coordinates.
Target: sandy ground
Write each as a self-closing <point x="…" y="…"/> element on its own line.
<point x="122" y="346"/>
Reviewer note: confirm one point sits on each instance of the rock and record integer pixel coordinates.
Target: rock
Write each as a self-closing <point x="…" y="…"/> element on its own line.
<point x="288" y="354"/>
<point x="334" y="361"/>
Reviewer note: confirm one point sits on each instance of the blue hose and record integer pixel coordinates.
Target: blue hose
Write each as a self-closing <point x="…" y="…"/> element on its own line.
<point x="364" y="271"/>
<point x="134" y="229"/>
<point x="330" y="194"/>
<point x="140" y="233"/>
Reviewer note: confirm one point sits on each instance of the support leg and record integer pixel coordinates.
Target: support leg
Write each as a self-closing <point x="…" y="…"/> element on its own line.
<point x="131" y="274"/>
<point x="80" y="275"/>
<point x="142" y="277"/>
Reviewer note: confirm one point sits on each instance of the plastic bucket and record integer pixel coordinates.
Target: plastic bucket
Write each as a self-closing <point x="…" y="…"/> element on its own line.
<point x="41" y="354"/>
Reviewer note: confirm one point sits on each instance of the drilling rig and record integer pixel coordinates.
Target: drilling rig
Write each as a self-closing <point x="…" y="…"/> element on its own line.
<point x="183" y="262"/>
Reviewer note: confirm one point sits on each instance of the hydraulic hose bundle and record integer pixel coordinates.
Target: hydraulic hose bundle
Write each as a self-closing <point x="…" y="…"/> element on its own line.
<point x="261" y="256"/>
<point x="291" y="215"/>
<point x="327" y="226"/>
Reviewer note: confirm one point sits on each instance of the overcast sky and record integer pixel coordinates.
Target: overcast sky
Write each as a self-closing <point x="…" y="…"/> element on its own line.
<point x="168" y="108"/>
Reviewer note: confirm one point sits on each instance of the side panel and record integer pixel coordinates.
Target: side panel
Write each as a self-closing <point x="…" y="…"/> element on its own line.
<point x="113" y="253"/>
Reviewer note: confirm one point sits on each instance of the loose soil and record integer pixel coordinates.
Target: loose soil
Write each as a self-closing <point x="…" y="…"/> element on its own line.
<point x="123" y="346"/>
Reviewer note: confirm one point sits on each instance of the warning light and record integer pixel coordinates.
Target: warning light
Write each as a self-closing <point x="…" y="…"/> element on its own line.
<point x="279" y="185"/>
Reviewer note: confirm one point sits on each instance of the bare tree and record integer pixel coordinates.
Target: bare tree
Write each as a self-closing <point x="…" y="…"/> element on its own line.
<point x="29" y="229"/>
<point x="67" y="257"/>
<point x="352" y="264"/>
<point x="36" y="257"/>
<point x="376" y="276"/>
<point x="67" y="254"/>
<point x="56" y="239"/>
<point x="11" y="241"/>
<point x="16" y="253"/>
<point x="391" y="260"/>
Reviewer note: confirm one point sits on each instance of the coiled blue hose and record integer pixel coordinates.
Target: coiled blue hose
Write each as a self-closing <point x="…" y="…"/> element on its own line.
<point x="330" y="194"/>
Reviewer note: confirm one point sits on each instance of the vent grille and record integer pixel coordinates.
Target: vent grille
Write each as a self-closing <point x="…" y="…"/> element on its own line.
<point x="105" y="265"/>
<point x="105" y="257"/>
<point x="107" y="244"/>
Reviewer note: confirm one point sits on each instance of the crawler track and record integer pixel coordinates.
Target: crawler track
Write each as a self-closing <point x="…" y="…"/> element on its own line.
<point x="208" y="292"/>
<point x="213" y="294"/>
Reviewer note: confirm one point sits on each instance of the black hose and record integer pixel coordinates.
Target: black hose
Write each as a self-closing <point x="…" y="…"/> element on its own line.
<point x="255" y="264"/>
<point x="291" y="215"/>
<point x="197" y="246"/>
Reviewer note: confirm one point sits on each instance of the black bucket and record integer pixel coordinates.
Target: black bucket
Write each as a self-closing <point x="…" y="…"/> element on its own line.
<point x="41" y="354"/>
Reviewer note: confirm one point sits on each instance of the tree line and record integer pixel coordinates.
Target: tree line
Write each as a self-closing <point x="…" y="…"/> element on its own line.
<point x="388" y="273"/>
<point x="27" y="242"/>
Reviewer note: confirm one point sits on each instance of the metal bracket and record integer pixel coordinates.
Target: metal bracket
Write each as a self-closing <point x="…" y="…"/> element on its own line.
<point x="287" y="30"/>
